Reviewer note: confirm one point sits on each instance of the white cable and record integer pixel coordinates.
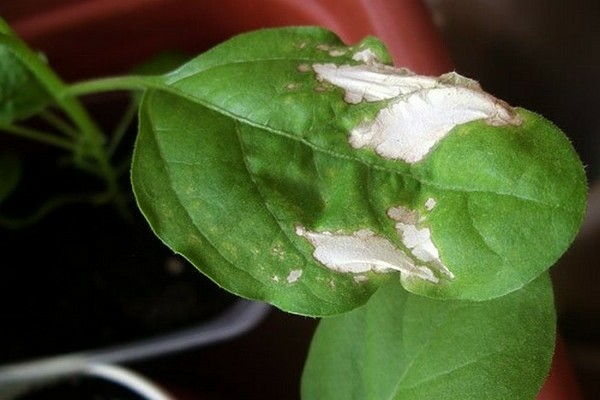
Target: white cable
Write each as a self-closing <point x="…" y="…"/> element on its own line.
<point x="129" y="380"/>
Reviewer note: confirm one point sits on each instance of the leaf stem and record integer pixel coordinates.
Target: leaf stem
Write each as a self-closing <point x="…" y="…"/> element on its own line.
<point x="58" y="123"/>
<point x="91" y="134"/>
<point x="39" y="136"/>
<point x="121" y="128"/>
<point x="115" y="83"/>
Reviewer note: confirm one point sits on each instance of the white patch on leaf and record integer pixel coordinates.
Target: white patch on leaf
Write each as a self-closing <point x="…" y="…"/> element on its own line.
<point x="366" y="56"/>
<point x="365" y="251"/>
<point x="430" y="204"/>
<point x="337" y="52"/>
<point x="403" y="214"/>
<point x="294" y="275"/>
<point x="417" y="239"/>
<point x="361" y="252"/>
<point x="370" y="82"/>
<point x="421" y="111"/>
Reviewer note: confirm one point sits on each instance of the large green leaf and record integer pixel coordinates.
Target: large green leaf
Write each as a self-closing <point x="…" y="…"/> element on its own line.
<point x="245" y="167"/>
<point x="402" y="346"/>
<point x="21" y="93"/>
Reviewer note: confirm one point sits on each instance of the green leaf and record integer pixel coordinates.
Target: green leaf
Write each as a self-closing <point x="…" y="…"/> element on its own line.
<point x="250" y="168"/>
<point x="509" y="202"/>
<point x="403" y="346"/>
<point x="21" y="93"/>
<point x="191" y="181"/>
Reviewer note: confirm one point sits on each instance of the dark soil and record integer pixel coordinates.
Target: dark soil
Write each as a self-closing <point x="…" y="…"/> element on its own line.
<point x="84" y="277"/>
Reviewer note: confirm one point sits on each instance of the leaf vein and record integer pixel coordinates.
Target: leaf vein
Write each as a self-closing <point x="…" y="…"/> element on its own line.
<point x="455" y="368"/>
<point x="336" y="154"/>
<point x="189" y="217"/>
<point x="270" y="212"/>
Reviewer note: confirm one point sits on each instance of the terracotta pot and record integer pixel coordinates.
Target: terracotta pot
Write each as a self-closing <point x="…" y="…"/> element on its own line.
<point x="88" y="38"/>
<point x="98" y="37"/>
<point x="561" y="384"/>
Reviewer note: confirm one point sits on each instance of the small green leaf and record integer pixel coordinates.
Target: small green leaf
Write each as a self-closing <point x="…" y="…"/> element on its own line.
<point x="21" y="93"/>
<point x="270" y="154"/>
<point x="403" y="346"/>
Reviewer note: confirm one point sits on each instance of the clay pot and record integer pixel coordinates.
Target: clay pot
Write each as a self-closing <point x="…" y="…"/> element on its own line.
<point x="87" y="38"/>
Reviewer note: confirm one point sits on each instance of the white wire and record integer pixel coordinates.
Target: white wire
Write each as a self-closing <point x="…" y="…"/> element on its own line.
<point x="129" y="380"/>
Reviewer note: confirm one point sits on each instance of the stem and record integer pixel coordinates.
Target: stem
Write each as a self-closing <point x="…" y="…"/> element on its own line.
<point x="40" y="136"/>
<point x="90" y="133"/>
<point x="129" y="83"/>
<point x="123" y="125"/>
<point x="58" y="123"/>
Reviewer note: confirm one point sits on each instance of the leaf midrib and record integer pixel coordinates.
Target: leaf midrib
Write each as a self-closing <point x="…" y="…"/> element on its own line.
<point x="214" y="107"/>
<point x="332" y="153"/>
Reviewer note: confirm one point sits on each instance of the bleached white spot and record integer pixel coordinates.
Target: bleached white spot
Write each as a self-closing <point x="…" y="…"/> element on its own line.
<point x="337" y="52"/>
<point x="403" y="214"/>
<point x="278" y="251"/>
<point x="303" y="68"/>
<point x="275" y="278"/>
<point x="361" y="252"/>
<point x="360" y="278"/>
<point x="430" y="203"/>
<point x="422" y="109"/>
<point x="294" y="275"/>
<point x="417" y="239"/>
<point x="366" y="56"/>
<point x="370" y="82"/>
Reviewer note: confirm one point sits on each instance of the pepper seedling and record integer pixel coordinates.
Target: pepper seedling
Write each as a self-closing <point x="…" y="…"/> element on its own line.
<point x="416" y="215"/>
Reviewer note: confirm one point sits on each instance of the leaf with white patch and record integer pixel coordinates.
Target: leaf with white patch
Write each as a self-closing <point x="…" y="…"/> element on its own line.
<point x="423" y="109"/>
<point x="285" y="150"/>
